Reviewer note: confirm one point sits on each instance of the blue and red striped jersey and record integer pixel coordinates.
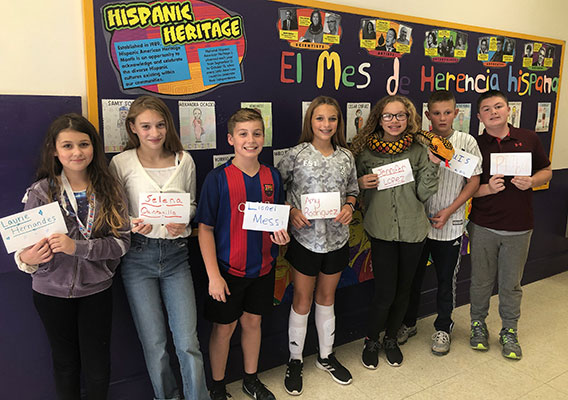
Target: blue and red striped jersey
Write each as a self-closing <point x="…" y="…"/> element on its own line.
<point x="226" y="189"/>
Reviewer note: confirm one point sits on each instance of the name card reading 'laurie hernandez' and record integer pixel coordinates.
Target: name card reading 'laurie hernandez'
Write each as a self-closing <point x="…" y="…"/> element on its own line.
<point x="462" y="163"/>
<point x="29" y="227"/>
<point x="265" y="217"/>
<point x="321" y="205"/>
<point x="394" y="174"/>
<point x="164" y="208"/>
<point x="511" y="164"/>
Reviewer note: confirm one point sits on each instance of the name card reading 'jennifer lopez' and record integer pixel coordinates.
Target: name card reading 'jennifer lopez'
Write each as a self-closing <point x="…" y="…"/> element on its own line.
<point x="164" y="208"/>
<point x="29" y="227"/>
<point x="321" y="205"/>
<point x="394" y="174"/>
<point x="265" y="217"/>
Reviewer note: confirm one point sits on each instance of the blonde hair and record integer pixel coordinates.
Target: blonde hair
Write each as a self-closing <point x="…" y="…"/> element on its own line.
<point x="372" y="125"/>
<point x="244" y="115"/>
<point x="308" y="134"/>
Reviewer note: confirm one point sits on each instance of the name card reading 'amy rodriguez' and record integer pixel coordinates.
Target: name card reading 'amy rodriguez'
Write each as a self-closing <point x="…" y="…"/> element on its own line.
<point x="511" y="164"/>
<point x="321" y="205"/>
<point x="394" y="174"/>
<point x="164" y="208"/>
<point x="29" y="227"/>
<point x="265" y="217"/>
<point x="462" y="163"/>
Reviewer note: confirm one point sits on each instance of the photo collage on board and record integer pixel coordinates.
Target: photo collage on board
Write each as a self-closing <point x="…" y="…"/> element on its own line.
<point x="309" y="28"/>
<point x="384" y="38"/>
<point x="444" y="45"/>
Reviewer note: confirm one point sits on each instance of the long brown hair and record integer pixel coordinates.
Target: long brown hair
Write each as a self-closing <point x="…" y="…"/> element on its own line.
<point x="372" y="125"/>
<point x="147" y="102"/>
<point x="106" y="188"/>
<point x="308" y="134"/>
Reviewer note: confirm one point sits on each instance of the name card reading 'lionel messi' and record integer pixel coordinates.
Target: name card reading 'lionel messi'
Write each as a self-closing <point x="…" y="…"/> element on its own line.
<point x="265" y="217"/>
<point x="29" y="227"/>
<point x="164" y="208"/>
<point x="394" y="174"/>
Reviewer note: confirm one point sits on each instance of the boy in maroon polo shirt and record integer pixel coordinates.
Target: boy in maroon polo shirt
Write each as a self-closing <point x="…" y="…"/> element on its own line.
<point x="501" y="224"/>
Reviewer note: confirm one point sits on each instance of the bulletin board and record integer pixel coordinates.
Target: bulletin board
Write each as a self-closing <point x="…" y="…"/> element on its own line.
<point x="206" y="59"/>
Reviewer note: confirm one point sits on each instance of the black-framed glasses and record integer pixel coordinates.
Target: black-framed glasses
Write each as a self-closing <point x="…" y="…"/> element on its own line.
<point x="401" y="116"/>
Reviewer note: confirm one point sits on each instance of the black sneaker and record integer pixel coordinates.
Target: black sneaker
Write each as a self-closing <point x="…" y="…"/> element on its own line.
<point x="392" y="351"/>
<point x="370" y="356"/>
<point x="338" y="372"/>
<point x="479" y="337"/>
<point x="293" y="380"/>
<point x="257" y="390"/>
<point x="219" y="393"/>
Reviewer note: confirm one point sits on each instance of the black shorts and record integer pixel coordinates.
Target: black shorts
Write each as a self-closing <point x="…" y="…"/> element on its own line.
<point x="253" y="295"/>
<point x="310" y="263"/>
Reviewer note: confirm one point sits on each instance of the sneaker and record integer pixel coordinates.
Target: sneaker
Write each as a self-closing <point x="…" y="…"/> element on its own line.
<point x="257" y="390"/>
<point x="392" y="351"/>
<point x="405" y="332"/>
<point x="219" y="393"/>
<point x="338" y="372"/>
<point x="441" y="343"/>
<point x="293" y="380"/>
<point x="370" y="356"/>
<point x="511" y="346"/>
<point x="479" y="339"/>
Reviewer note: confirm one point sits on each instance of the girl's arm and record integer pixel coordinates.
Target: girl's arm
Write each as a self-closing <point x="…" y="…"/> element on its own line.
<point x="218" y="288"/>
<point x="177" y="230"/>
<point x="427" y="175"/>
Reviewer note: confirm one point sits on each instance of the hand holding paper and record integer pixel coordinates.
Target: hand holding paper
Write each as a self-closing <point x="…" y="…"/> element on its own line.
<point x="138" y="226"/>
<point x="280" y="237"/>
<point x="39" y="253"/>
<point x="61" y="243"/>
<point x="522" y="182"/>
<point x="496" y="183"/>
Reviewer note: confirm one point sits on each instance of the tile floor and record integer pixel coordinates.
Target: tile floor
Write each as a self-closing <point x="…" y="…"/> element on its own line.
<point x="463" y="373"/>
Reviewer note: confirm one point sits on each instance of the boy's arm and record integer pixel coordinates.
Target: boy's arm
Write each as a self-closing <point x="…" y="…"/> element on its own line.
<point x="217" y="285"/>
<point x="440" y="219"/>
<point x="539" y="178"/>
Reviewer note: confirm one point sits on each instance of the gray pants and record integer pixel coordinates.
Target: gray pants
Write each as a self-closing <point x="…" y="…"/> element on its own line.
<point x="498" y="258"/>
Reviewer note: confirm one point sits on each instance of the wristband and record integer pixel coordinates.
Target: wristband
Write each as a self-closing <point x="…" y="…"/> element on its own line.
<point x="348" y="203"/>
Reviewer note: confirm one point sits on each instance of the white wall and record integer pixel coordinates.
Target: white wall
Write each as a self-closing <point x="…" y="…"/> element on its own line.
<point x="42" y="51"/>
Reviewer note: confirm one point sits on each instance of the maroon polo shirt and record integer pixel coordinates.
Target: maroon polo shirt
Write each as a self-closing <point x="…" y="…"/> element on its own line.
<point x="510" y="209"/>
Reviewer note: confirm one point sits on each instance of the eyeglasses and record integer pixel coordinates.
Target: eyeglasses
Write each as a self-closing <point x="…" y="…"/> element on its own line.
<point x="399" y="117"/>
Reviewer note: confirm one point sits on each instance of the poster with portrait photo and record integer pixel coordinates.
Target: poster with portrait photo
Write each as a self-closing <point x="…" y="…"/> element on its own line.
<point x="265" y="109"/>
<point x="198" y="130"/>
<point x="356" y="116"/>
<point x="509" y="49"/>
<point x="515" y="113"/>
<point x="542" y="117"/>
<point x="288" y="19"/>
<point x="278" y="154"/>
<point x="332" y="23"/>
<point x="426" y="124"/>
<point x="368" y="29"/>
<point x="431" y="43"/>
<point x="220" y="159"/>
<point x="462" y="120"/>
<point x="114" y="124"/>
<point x="483" y="48"/>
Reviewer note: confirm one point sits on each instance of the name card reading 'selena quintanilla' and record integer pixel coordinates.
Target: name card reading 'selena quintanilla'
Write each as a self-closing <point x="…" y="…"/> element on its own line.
<point x="265" y="217"/>
<point x="321" y="205"/>
<point x="29" y="227"/>
<point x="394" y="174"/>
<point x="164" y="208"/>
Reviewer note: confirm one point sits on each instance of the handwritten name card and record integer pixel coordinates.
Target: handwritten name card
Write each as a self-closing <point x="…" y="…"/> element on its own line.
<point x="29" y="227"/>
<point x="164" y="208"/>
<point x="265" y="217"/>
<point x="511" y="164"/>
<point x="394" y="174"/>
<point x="462" y="163"/>
<point x="321" y="205"/>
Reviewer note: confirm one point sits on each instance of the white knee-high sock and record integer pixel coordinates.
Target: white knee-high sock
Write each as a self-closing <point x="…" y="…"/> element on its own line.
<point x="297" y="328"/>
<point x="325" y="324"/>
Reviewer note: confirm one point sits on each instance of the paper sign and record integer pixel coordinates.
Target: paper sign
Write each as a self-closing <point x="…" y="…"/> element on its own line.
<point x="394" y="174"/>
<point x="511" y="164"/>
<point x="321" y="205"/>
<point x="164" y="208"/>
<point x="265" y="217"/>
<point x="29" y="227"/>
<point x="462" y="163"/>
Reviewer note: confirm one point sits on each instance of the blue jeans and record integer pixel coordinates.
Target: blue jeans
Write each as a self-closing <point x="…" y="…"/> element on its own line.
<point x="156" y="273"/>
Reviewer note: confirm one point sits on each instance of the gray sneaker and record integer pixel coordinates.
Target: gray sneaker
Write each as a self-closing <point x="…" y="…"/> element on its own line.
<point x="511" y="347"/>
<point x="479" y="339"/>
<point x="441" y="343"/>
<point x="405" y="332"/>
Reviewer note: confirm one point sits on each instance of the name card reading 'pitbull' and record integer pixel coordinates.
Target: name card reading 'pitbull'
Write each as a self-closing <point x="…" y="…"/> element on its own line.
<point x="394" y="174"/>
<point x="321" y="205"/>
<point x="511" y="164"/>
<point x="164" y="208"/>
<point x="265" y="217"/>
<point x="462" y="163"/>
<point x="29" y="227"/>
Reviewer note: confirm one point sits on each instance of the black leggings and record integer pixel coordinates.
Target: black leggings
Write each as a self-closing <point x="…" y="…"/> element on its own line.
<point x="79" y="331"/>
<point x="394" y="266"/>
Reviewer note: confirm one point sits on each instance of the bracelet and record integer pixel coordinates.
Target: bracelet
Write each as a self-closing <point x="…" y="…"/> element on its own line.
<point x="348" y="203"/>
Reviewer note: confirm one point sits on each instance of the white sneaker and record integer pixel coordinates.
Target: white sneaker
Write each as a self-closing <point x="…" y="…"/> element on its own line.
<point x="441" y="343"/>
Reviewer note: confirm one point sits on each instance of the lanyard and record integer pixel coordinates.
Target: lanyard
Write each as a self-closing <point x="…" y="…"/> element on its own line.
<point x="68" y="195"/>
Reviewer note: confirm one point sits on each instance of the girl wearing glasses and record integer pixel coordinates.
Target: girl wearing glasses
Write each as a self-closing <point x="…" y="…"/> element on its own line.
<point x="394" y="217"/>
